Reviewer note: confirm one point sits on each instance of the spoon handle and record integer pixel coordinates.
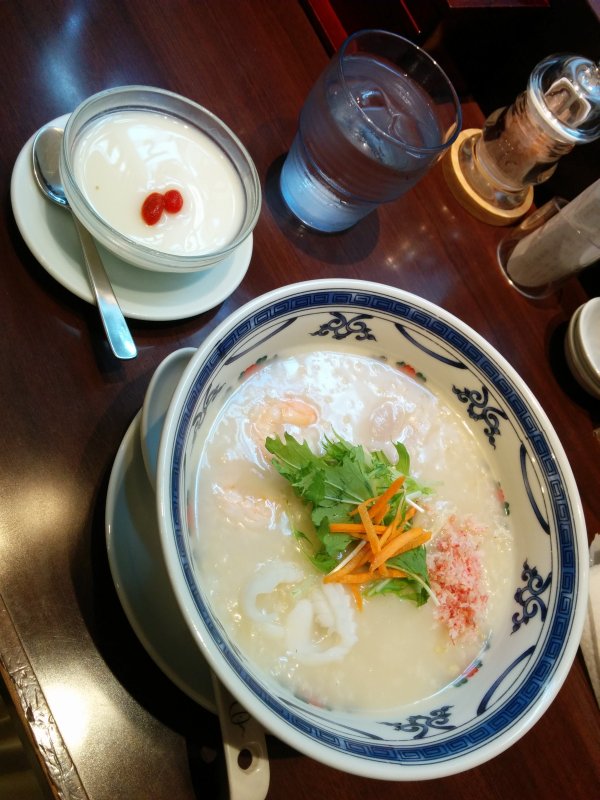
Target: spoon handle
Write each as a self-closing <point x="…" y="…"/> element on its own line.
<point x="243" y="738"/>
<point x="117" y="332"/>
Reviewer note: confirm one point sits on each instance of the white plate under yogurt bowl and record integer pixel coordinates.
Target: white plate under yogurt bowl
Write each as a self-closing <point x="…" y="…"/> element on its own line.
<point x="492" y="701"/>
<point x="151" y="296"/>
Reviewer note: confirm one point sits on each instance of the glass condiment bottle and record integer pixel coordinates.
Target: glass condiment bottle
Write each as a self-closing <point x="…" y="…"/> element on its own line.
<point x="492" y="171"/>
<point x="554" y="243"/>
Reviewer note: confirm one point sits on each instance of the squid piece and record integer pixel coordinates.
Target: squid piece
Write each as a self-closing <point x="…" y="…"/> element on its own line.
<point x="321" y="628"/>
<point x="265" y="582"/>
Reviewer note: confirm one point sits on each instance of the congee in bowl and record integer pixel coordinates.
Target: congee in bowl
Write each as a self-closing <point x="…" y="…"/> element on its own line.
<point x="371" y="529"/>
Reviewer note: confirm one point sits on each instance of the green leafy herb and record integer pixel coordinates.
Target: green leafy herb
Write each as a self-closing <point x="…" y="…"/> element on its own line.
<point x="415" y="588"/>
<point x="333" y="483"/>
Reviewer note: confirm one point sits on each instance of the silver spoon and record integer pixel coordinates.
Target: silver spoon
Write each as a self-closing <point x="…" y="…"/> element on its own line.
<point x="46" y="155"/>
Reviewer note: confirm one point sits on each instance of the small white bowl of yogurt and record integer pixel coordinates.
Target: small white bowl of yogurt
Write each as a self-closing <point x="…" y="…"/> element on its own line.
<point x="158" y="180"/>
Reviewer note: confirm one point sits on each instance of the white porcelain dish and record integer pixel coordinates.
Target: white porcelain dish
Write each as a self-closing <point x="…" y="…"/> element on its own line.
<point x="473" y="719"/>
<point x="139" y="573"/>
<point x="189" y="117"/>
<point x="152" y="296"/>
<point x="577" y="357"/>
<point x="588" y="328"/>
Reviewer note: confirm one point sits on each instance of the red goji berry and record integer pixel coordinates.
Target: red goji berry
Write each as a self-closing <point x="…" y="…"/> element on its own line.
<point x="152" y="208"/>
<point x="173" y="201"/>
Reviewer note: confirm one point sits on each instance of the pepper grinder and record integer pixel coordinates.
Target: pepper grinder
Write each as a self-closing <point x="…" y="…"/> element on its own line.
<point x="492" y="171"/>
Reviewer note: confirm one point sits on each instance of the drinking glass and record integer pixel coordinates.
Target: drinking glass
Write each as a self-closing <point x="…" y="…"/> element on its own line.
<point x="379" y="116"/>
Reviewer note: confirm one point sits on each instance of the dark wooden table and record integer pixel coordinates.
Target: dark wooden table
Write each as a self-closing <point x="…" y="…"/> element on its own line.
<point x="103" y="719"/>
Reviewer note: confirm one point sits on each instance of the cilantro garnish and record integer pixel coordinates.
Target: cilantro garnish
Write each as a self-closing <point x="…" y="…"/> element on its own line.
<point x="335" y="483"/>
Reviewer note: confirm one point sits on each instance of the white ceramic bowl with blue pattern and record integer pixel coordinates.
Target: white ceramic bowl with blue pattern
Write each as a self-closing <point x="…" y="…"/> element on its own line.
<point x="472" y="720"/>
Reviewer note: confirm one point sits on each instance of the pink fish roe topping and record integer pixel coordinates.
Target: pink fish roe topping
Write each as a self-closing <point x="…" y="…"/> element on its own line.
<point x="456" y="577"/>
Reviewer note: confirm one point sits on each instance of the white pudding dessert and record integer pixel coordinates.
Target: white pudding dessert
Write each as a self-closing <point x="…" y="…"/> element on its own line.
<point x="124" y="156"/>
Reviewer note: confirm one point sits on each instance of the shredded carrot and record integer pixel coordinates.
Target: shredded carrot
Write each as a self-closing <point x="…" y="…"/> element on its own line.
<point x="400" y="544"/>
<point x="356" y="578"/>
<point x="358" y="534"/>
<point x="380" y="507"/>
<point x="357" y="597"/>
<point x="352" y="528"/>
<point x="391" y="572"/>
<point x="368" y="502"/>
<point x="366" y="520"/>
<point x="376" y="543"/>
<point x="358" y="560"/>
<point x="410" y="513"/>
<point x="392" y="528"/>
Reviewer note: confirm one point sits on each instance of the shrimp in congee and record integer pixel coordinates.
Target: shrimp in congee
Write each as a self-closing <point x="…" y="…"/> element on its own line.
<point x="274" y="416"/>
<point x="249" y="510"/>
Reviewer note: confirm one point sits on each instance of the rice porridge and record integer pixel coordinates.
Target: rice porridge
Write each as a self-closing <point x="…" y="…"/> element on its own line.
<point x="322" y="640"/>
